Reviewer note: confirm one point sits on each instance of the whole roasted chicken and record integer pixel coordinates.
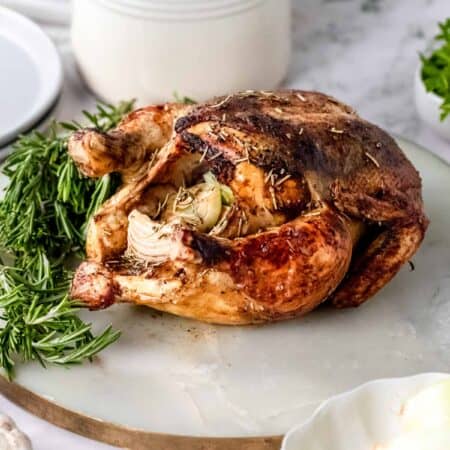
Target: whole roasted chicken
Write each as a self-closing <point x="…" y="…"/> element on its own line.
<point x="253" y="207"/>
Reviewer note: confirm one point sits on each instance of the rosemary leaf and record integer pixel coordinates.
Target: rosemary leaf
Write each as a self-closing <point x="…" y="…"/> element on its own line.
<point x="43" y="217"/>
<point x="435" y="71"/>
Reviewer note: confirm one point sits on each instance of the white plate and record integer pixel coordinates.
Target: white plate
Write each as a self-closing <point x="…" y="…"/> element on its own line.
<point x="30" y="77"/>
<point x="360" y="419"/>
<point x="178" y="376"/>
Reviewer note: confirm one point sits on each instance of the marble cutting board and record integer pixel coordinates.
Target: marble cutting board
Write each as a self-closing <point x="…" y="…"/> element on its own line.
<point x="181" y="377"/>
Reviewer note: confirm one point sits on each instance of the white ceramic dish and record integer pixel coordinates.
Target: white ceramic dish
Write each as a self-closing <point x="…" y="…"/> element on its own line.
<point x="147" y="49"/>
<point x="31" y="76"/>
<point x="360" y="419"/>
<point x="42" y="126"/>
<point x="178" y="376"/>
<point x="49" y="11"/>
<point x="427" y="105"/>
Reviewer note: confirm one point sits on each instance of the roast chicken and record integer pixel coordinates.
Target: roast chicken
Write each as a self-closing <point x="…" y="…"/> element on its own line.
<point x="253" y="207"/>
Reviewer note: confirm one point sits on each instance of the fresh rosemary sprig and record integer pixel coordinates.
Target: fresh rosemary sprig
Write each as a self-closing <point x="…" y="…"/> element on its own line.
<point x="436" y="69"/>
<point x="43" y="216"/>
<point x="183" y="99"/>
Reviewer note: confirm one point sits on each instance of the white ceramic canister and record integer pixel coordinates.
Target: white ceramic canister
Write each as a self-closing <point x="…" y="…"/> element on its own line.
<point x="149" y="49"/>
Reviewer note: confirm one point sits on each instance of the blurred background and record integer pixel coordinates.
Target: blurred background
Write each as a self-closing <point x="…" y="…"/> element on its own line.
<point x="364" y="52"/>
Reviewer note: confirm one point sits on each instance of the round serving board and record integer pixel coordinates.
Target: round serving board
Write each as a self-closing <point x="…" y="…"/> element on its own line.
<point x="167" y="377"/>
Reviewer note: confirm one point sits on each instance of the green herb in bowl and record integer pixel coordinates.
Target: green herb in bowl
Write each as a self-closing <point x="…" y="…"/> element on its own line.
<point x="435" y="71"/>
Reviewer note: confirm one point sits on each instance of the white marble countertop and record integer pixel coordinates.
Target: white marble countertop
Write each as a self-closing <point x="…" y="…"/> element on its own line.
<point x="364" y="52"/>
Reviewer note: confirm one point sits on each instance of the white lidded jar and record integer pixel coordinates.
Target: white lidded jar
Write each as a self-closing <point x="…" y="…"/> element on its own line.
<point x="147" y="49"/>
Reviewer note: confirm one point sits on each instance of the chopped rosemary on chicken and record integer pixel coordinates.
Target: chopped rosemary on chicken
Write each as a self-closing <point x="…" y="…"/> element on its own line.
<point x="202" y="207"/>
<point x="44" y="211"/>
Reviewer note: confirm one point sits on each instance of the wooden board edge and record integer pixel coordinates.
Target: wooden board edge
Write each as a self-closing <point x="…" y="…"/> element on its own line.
<point x="122" y="436"/>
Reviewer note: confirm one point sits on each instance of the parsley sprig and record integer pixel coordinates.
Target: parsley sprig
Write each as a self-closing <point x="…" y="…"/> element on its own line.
<point x="436" y="69"/>
<point x="43" y="217"/>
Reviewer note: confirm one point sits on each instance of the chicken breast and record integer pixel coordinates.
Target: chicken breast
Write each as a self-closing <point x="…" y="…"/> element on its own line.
<point x="253" y="207"/>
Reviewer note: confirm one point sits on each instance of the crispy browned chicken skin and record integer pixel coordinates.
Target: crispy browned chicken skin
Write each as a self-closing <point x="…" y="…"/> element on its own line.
<point x="325" y="206"/>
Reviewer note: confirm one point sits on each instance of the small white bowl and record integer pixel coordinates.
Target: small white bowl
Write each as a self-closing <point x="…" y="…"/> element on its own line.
<point x="428" y="106"/>
<point x="361" y="419"/>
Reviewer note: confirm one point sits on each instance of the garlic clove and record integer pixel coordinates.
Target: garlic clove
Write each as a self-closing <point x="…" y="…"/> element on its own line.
<point x="11" y="437"/>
